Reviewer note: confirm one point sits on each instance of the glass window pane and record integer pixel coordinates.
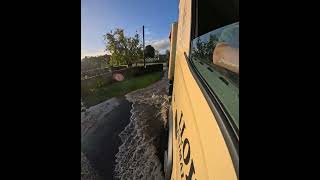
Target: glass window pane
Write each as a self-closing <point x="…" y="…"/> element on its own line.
<point x="216" y="57"/>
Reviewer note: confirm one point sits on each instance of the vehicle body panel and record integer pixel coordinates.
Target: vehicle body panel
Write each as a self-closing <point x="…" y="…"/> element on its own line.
<point x="197" y="140"/>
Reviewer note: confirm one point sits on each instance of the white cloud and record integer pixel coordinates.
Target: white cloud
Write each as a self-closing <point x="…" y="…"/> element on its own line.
<point x="161" y="45"/>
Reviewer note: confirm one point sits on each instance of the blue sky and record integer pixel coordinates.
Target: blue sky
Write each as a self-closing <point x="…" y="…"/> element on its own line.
<point x="101" y="16"/>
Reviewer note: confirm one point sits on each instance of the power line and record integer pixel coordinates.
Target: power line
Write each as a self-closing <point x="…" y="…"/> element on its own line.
<point x="144" y="59"/>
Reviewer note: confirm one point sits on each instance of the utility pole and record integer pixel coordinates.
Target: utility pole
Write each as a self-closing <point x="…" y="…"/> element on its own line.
<point x="144" y="59"/>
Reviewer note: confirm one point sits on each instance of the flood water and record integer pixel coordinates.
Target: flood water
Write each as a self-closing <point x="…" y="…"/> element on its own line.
<point x="140" y="156"/>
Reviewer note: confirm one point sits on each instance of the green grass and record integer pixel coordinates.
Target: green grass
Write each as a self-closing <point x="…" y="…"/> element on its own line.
<point x="101" y="94"/>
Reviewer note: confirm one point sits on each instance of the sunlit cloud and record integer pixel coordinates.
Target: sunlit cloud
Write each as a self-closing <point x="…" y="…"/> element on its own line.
<point x="161" y="45"/>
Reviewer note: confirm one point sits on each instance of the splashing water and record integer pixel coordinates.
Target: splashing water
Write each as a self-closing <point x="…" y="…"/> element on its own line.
<point x="138" y="156"/>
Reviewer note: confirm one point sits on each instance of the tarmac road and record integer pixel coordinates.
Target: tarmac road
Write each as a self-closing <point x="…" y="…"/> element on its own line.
<point x="100" y="143"/>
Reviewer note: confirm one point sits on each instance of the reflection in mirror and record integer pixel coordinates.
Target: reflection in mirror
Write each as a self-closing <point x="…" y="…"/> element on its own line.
<point x="203" y="48"/>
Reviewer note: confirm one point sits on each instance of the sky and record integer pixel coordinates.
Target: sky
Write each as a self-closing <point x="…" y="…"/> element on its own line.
<point x="101" y="16"/>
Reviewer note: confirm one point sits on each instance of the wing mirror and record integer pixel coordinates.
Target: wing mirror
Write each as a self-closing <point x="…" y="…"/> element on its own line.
<point x="226" y="56"/>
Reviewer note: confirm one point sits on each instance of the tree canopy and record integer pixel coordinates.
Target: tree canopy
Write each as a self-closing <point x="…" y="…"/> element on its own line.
<point x="204" y="48"/>
<point x="149" y="51"/>
<point x="124" y="50"/>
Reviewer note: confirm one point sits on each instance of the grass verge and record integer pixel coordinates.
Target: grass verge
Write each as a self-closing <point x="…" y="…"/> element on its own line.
<point x="101" y="94"/>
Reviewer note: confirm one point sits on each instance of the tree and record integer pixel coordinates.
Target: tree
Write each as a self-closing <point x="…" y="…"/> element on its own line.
<point x="149" y="51"/>
<point x="167" y="54"/>
<point x="124" y="50"/>
<point x="203" y="49"/>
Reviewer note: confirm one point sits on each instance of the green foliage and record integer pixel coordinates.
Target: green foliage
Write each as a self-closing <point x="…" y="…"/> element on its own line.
<point x="204" y="49"/>
<point x="149" y="51"/>
<point x="100" y="83"/>
<point x="124" y="50"/>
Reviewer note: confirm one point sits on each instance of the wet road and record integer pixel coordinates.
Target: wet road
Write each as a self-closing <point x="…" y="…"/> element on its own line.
<point x="123" y="137"/>
<point x="101" y="142"/>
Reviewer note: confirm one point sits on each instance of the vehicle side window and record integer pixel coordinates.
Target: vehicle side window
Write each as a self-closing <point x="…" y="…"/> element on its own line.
<point x="215" y="56"/>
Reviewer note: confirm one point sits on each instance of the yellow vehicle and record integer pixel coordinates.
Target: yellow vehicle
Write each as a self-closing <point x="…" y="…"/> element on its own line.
<point x="203" y="136"/>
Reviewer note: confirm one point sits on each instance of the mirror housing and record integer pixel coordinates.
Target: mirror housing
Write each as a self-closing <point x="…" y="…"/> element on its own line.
<point x="226" y="56"/>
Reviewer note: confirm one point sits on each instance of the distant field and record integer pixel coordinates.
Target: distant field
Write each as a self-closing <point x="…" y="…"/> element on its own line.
<point x="101" y="94"/>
